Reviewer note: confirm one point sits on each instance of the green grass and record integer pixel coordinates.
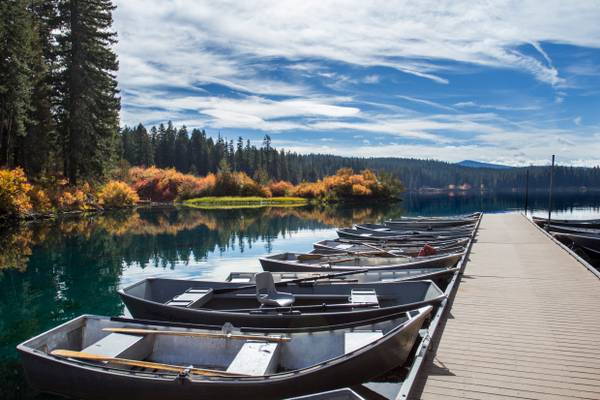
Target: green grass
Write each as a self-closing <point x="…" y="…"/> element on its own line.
<point x="244" y="202"/>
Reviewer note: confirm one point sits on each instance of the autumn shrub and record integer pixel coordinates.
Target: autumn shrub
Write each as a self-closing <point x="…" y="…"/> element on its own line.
<point x="14" y="193"/>
<point x="117" y="194"/>
<point x="280" y="188"/>
<point x="75" y="198"/>
<point x="40" y="200"/>
<point x="168" y="185"/>
<point x="197" y="187"/>
<point x="238" y="184"/>
<point x="344" y="185"/>
<point x="310" y="190"/>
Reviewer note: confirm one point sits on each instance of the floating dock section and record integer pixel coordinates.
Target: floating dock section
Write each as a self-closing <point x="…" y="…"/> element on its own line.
<point x="524" y="322"/>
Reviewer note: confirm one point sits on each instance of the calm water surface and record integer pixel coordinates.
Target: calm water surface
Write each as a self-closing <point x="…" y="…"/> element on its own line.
<point x="53" y="271"/>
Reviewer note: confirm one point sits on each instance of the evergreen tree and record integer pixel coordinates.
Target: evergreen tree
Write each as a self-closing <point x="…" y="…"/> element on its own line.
<point x="143" y="151"/>
<point x="16" y="86"/>
<point x="182" y="145"/>
<point x="89" y="102"/>
<point x="36" y="149"/>
<point x="161" y="147"/>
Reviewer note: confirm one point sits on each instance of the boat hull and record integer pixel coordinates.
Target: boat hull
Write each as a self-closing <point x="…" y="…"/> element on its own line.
<point x="439" y="276"/>
<point x="408" y="296"/>
<point x="274" y="265"/>
<point x="588" y="223"/>
<point x="590" y="244"/>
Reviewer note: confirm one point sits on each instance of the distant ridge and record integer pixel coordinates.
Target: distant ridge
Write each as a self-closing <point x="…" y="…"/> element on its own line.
<point x="477" y="164"/>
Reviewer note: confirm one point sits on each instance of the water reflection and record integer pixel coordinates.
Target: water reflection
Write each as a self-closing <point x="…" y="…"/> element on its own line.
<point x="53" y="271"/>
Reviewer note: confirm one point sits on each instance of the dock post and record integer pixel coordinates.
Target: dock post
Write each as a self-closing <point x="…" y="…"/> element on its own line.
<point x="526" y="191"/>
<point x="550" y="193"/>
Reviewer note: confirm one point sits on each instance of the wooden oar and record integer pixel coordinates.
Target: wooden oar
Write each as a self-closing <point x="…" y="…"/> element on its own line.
<point x="379" y="249"/>
<point x="136" y="331"/>
<point x="340" y="260"/>
<point x="142" y="364"/>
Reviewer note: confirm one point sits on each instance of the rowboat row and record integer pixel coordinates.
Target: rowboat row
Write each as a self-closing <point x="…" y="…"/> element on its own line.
<point x="579" y="234"/>
<point x="346" y="312"/>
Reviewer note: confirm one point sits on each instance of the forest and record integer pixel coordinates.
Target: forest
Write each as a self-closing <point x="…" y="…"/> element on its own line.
<point x="167" y="146"/>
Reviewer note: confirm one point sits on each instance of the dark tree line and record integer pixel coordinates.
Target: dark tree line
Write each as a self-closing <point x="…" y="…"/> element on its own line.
<point x="196" y="152"/>
<point x="59" y="101"/>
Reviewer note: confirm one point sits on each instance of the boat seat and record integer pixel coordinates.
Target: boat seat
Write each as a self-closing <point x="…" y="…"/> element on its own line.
<point x="121" y="345"/>
<point x="267" y="294"/>
<point x="364" y="296"/>
<point x="255" y="358"/>
<point x="191" y="298"/>
<point x="240" y="280"/>
<point x="357" y="339"/>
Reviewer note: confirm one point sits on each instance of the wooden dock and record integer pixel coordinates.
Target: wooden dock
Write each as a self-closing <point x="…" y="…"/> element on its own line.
<point x="524" y="324"/>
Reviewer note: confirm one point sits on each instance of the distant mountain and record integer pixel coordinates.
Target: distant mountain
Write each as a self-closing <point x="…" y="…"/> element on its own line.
<point x="477" y="164"/>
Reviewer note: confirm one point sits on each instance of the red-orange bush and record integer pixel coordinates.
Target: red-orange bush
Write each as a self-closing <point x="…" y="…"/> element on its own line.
<point x="167" y="184"/>
<point x="280" y="188"/>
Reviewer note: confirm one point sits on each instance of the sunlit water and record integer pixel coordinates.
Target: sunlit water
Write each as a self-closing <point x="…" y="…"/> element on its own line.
<point x="53" y="271"/>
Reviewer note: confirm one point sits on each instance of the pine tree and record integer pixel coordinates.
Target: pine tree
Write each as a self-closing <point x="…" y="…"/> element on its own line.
<point x="144" y="153"/>
<point x="89" y="102"/>
<point x="182" y="144"/>
<point x="16" y="87"/>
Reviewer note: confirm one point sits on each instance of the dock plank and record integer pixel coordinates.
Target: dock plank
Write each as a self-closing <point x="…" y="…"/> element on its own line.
<point x="523" y="325"/>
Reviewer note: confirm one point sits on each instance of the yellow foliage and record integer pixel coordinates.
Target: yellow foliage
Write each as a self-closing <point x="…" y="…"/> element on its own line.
<point x="14" y="192"/>
<point x="73" y="199"/>
<point x="117" y="194"/>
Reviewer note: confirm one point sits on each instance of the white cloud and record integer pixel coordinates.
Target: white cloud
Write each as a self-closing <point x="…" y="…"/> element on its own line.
<point x="500" y="107"/>
<point x="426" y="102"/>
<point x="577" y="121"/>
<point x="371" y="79"/>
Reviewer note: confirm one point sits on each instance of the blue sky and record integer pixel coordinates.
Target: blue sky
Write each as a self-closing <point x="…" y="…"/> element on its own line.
<point x="510" y="82"/>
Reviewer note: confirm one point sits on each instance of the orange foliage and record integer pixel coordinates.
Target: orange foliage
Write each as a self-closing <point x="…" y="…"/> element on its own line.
<point x="280" y="188"/>
<point x="310" y="190"/>
<point x="345" y="184"/>
<point x="75" y="198"/>
<point x="238" y="184"/>
<point x="40" y="200"/>
<point x="167" y="184"/>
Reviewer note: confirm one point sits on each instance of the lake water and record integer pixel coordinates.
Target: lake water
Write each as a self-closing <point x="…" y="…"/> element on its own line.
<point x="53" y="271"/>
